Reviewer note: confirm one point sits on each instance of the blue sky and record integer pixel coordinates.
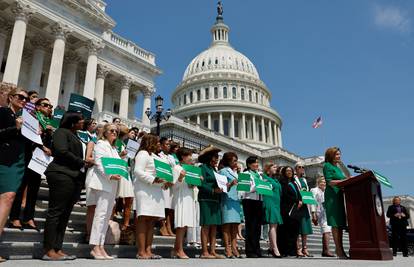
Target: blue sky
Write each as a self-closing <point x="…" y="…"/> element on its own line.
<point x="351" y="62"/>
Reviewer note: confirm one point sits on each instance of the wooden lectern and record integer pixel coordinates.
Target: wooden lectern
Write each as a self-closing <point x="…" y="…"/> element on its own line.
<point x="365" y="213"/>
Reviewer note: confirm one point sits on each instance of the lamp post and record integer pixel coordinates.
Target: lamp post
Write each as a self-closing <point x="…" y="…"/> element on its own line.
<point x="158" y="116"/>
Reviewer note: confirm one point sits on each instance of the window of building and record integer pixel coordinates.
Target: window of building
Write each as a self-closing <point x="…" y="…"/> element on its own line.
<point x="216" y="125"/>
<point x="215" y="92"/>
<point x="226" y="127"/>
<point x="205" y="123"/>
<point x="257" y="97"/>
<point x="234" y="92"/>
<point x="179" y="101"/>
<point x="242" y="94"/>
<point x="198" y="95"/>
<point x="224" y="92"/>
<point x="115" y="107"/>
<point x="185" y="99"/>
<point x="216" y="62"/>
<point x="191" y="97"/>
<point x="261" y="98"/>
<point x="207" y="93"/>
<point x="250" y="96"/>
<point x="236" y="128"/>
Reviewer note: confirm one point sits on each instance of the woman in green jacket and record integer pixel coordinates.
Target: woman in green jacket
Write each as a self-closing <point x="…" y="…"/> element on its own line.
<point x="334" y="198"/>
<point x="209" y="196"/>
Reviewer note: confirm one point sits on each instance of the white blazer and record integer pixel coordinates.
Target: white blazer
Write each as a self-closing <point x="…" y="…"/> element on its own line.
<point x="96" y="177"/>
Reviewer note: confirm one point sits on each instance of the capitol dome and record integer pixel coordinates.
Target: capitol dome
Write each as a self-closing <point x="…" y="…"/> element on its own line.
<point x="221" y="90"/>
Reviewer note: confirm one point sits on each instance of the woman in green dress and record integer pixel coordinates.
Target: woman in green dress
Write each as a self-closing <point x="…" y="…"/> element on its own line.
<point x="334" y="198"/>
<point x="271" y="207"/>
<point x="305" y="228"/>
<point x="209" y="196"/>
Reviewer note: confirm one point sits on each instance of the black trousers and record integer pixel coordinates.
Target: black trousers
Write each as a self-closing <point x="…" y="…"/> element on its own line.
<point x="399" y="237"/>
<point x="32" y="180"/>
<point x="253" y="214"/>
<point x="64" y="191"/>
<point x="287" y="235"/>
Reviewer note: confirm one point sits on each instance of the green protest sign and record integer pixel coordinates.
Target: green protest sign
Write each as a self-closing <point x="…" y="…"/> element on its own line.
<point x="83" y="135"/>
<point x="193" y="175"/>
<point x="263" y="188"/>
<point x="382" y="179"/>
<point x="163" y="170"/>
<point x="119" y="145"/>
<point x="57" y="117"/>
<point x="307" y="198"/>
<point x="243" y="182"/>
<point x="115" y="166"/>
<point x="81" y="104"/>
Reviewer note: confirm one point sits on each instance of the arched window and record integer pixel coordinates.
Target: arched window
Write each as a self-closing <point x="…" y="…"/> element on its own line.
<point x="185" y="99"/>
<point x="224" y="92"/>
<point x="191" y="97"/>
<point x="234" y="92"/>
<point x="198" y="95"/>
<point x="216" y="62"/>
<point x="257" y="97"/>
<point x="207" y="93"/>
<point x="250" y="96"/>
<point x="215" y="92"/>
<point x="242" y="94"/>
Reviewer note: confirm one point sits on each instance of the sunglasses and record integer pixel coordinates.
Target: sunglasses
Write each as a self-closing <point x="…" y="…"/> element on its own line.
<point x="46" y="105"/>
<point x="113" y="131"/>
<point x="300" y="167"/>
<point x="22" y="97"/>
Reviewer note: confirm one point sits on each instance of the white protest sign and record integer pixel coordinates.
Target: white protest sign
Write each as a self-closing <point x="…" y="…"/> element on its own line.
<point x="39" y="161"/>
<point x="221" y="181"/>
<point x="132" y="148"/>
<point x="31" y="127"/>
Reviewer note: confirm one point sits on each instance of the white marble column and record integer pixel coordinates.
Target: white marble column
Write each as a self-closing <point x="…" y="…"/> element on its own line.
<point x="274" y="136"/>
<point x="243" y="127"/>
<point x="124" y="99"/>
<point x="254" y="133"/>
<point x="279" y="136"/>
<point x="263" y="130"/>
<point x="198" y="120"/>
<point x="100" y="86"/>
<point x="146" y="104"/>
<point x="5" y="28"/>
<point x="39" y="44"/>
<point x="231" y="130"/>
<point x="221" y="128"/>
<point x="269" y="133"/>
<point x="94" y="48"/>
<point x="14" y="57"/>
<point x="55" y="73"/>
<point x="209" y="121"/>
<point x="71" y="60"/>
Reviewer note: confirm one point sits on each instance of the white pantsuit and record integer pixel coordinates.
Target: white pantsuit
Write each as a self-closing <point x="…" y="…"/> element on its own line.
<point x="319" y="196"/>
<point x="149" y="197"/>
<point x="101" y="191"/>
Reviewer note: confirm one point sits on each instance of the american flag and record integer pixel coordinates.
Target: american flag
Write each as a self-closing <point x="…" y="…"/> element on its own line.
<point x="317" y="123"/>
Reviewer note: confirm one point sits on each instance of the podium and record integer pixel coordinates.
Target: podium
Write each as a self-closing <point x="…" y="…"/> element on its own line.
<point x="368" y="236"/>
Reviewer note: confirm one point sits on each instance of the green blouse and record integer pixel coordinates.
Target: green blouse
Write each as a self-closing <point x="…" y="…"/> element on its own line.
<point x="209" y="183"/>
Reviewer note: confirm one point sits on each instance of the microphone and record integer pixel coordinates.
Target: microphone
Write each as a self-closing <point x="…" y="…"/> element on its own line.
<point x="357" y="169"/>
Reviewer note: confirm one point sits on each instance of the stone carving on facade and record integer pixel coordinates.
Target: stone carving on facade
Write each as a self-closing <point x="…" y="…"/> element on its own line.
<point x="71" y="57"/>
<point x="148" y="92"/>
<point x="94" y="47"/>
<point x="39" y="41"/>
<point x="126" y="82"/>
<point x="60" y="31"/>
<point x="22" y="11"/>
<point x="5" y="26"/>
<point x="102" y="71"/>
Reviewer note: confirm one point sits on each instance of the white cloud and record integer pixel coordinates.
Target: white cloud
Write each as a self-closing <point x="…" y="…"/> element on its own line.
<point x="393" y="18"/>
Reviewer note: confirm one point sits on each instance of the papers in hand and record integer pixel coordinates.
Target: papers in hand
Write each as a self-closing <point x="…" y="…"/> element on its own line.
<point x="132" y="148"/>
<point x="221" y="181"/>
<point x="39" y="161"/>
<point x="31" y="127"/>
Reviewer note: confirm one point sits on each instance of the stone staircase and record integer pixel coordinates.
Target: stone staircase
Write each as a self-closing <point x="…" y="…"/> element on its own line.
<point x="27" y="244"/>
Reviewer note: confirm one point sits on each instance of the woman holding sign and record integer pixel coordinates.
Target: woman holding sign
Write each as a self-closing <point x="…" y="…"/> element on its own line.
<point x="230" y="205"/>
<point x="148" y="195"/>
<point x="182" y="202"/>
<point x="209" y="198"/>
<point x="11" y="152"/>
<point x="101" y="190"/>
<point x="334" y="198"/>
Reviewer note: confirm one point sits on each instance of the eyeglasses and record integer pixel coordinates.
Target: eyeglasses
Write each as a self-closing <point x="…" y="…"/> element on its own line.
<point x="34" y="96"/>
<point x="22" y="97"/>
<point x="300" y="167"/>
<point x="113" y="131"/>
<point x="46" y="105"/>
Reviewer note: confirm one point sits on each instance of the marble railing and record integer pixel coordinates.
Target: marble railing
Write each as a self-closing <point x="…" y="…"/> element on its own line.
<point x="108" y="116"/>
<point x="129" y="46"/>
<point x="278" y="151"/>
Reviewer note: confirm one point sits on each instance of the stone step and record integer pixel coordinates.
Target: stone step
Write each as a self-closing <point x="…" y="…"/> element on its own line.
<point x="75" y="215"/>
<point x="43" y="204"/>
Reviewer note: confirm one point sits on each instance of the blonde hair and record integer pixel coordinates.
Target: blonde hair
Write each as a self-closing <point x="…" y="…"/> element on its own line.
<point x="320" y="179"/>
<point x="395" y="198"/>
<point x="106" y="129"/>
<point x="267" y="167"/>
<point x="6" y="87"/>
<point x="122" y="130"/>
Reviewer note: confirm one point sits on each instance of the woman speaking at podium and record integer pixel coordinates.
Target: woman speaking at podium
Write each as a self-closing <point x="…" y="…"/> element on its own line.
<point x="334" y="198"/>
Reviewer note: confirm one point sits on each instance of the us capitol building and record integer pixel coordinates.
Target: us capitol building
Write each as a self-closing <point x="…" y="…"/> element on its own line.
<point x="59" y="47"/>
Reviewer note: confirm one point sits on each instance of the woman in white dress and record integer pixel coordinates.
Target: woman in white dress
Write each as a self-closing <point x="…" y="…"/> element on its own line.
<point x="148" y="195"/>
<point x="319" y="215"/>
<point x="183" y="203"/>
<point x="101" y="191"/>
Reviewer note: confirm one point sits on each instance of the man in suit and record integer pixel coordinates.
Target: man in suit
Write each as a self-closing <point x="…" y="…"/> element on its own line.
<point x="399" y="221"/>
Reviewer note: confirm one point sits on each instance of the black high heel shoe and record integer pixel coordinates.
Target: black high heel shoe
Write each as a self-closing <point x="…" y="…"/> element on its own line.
<point x="31" y="227"/>
<point x="271" y="252"/>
